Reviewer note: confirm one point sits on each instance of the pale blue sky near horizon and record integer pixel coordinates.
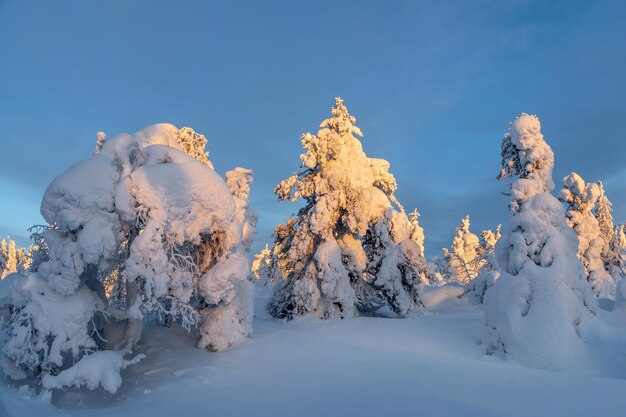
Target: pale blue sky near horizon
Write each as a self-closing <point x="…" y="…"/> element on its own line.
<point x="433" y="86"/>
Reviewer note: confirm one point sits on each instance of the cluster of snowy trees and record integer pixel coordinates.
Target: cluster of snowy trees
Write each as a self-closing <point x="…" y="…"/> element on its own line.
<point x="469" y="254"/>
<point x="539" y="281"/>
<point x="550" y="264"/>
<point x="12" y="259"/>
<point x="589" y="213"/>
<point x="146" y="230"/>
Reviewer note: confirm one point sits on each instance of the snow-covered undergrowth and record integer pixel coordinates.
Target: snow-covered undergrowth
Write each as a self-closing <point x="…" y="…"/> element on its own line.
<point x="428" y="365"/>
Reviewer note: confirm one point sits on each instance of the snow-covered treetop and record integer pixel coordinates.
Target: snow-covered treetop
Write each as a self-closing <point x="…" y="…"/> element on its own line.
<point x="579" y="196"/>
<point x="463" y="259"/>
<point x="489" y="238"/>
<point x="604" y="214"/>
<point x="194" y="145"/>
<point x="239" y="180"/>
<point x="336" y="168"/>
<point x="341" y="122"/>
<point x="417" y="231"/>
<point x="527" y="158"/>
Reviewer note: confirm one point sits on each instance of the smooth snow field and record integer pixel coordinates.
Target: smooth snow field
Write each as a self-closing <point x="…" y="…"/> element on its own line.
<point x="430" y="365"/>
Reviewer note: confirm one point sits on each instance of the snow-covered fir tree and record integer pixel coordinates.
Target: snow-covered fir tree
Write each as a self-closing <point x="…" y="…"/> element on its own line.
<point x="4" y="256"/>
<point x="350" y="247"/>
<point x="613" y="261"/>
<point x="476" y="289"/>
<point x="581" y="198"/>
<point x="488" y="240"/>
<point x="239" y="180"/>
<point x="540" y="304"/>
<point x="262" y="265"/>
<point x="9" y="262"/>
<point x="463" y="260"/>
<point x="604" y="214"/>
<point x="617" y="250"/>
<point x="23" y="260"/>
<point x="417" y="231"/>
<point x="164" y="225"/>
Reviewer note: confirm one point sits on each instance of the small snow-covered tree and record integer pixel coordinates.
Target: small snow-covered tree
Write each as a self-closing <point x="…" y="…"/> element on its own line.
<point x="8" y="258"/>
<point x="581" y="199"/>
<point x="350" y="245"/>
<point x="463" y="262"/>
<point x="262" y="265"/>
<point x="416" y="230"/>
<point x="239" y="180"/>
<point x="609" y="232"/>
<point x="4" y="256"/>
<point x="476" y="289"/>
<point x="157" y="221"/>
<point x="539" y="306"/>
<point x="488" y="240"/>
<point x="23" y="260"/>
<point x="604" y="214"/>
<point x="617" y="249"/>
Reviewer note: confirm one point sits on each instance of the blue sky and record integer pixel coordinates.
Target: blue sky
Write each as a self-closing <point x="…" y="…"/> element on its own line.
<point x="433" y="86"/>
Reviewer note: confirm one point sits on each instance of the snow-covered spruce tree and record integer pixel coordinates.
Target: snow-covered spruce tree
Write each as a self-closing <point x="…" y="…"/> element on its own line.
<point x="239" y="180"/>
<point x="488" y="240"/>
<point x="613" y="262"/>
<point x="4" y="256"/>
<point x="618" y="244"/>
<point x="617" y="249"/>
<point x="23" y="260"/>
<point x="604" y="214"/>
<point x="541" y="303"/>
<point x="416" y="230"/>
<point x="349" y="249"/>
<point x="476" y="289"/>
<point x="169" y="229"/>
<point x="262" y="266"/>
<point x="581" y="199"/>
<point x="463" y="262"/>
<point x="8" y="258"/>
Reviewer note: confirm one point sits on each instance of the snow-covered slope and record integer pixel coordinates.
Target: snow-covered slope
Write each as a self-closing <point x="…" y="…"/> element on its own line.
<point x="428" y="365"/>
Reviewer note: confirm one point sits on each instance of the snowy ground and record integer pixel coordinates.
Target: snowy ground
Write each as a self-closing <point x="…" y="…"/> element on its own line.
<point x="432" y="365"/>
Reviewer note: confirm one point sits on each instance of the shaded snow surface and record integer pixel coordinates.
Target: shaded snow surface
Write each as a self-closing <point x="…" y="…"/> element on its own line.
<point x="429" y="365"/>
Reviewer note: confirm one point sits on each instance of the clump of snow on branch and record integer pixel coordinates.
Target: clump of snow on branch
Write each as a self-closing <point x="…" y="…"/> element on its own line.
<point x="98" y="369"/>
<point x="351" y="247"/>
<point x="541" y="304"/>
